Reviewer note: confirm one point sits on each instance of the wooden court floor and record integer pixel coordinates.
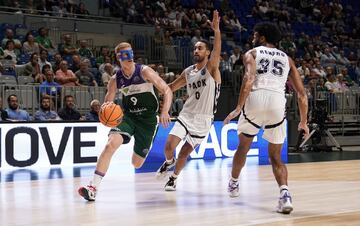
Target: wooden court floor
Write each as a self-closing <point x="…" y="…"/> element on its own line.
<point x="324" y="193"/>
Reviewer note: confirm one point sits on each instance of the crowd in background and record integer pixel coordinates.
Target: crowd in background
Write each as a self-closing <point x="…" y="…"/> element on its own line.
<point x="327" y="55"/>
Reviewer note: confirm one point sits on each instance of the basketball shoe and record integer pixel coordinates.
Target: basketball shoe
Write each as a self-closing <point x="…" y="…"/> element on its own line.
<point x="171" y="184"/>
<point x="233" y="188"/>
<point x="164" y="168"/>
<point x="285" y="203"/>
<point x="88" y="192"/>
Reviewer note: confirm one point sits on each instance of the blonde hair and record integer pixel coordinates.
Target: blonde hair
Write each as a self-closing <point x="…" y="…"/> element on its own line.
<point x="122" y="45"/>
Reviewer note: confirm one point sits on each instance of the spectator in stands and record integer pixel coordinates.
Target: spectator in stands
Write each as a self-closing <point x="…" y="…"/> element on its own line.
<point x="341" y="83"/>
<point x="235" y="56"/>
<point x="67" y="48"/>
<point x="287" y="43"/>
<point x="44" y="40"/>
<point x="49" y="87"/>
<point x="225" y="66"/>
<point x="43" y="59"/>
<point x="108" y="72"/>
<point x="44" y="8"/>
<point x="30" y="46"/>
<point x="93" y="115"/>
<point x="321" y="85"/>
<point x="104" y="51"/>
<point x="102" y="66"/>
<point x="161" y="72"/>
<point x="304" y="71"/>
<point x="331" y="84"/>
<point x="9" y="52"/>
<point x="9" y="35"/>
<point x="82" y="10"/>
<point x="56" y="63"/>
<point x="197" y="37"/>
<point x="60" y="9"/>
<point x="84" y="50"/>
<point x="45" y="113"/>
<point x="76" y="60"/>
<point x="346" y="77"/>
<point x="32" y="68"/>
<point x="66" y="77"/>
<point x="318" y="69"/>
<point x="3" y="113"/>
<point x="85" y="77"/>
<point x="326" y="59"/>
<point x="69" y="112"/>
<point x="14" y="112"/>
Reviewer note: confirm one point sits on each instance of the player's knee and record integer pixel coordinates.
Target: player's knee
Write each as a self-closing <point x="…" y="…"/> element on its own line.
<point x="275" y="160"/>
<point x="110" y="147"/>
<point x="169" y="146"/>
<point x="137" y="164"/>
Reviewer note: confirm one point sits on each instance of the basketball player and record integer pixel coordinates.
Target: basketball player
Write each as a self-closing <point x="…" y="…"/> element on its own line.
<point x="262" y="104"/>
<point x="136" y="83"/>
<point x="202" y="81"/>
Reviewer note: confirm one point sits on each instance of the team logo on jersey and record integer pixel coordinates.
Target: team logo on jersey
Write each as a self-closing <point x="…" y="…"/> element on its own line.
<point x="203" y="71"/>
<point x="124" y="90"/>
<point x="136" y="79"/>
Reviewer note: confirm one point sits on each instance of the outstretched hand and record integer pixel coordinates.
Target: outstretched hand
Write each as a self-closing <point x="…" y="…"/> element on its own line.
<point x="215" y="21"/>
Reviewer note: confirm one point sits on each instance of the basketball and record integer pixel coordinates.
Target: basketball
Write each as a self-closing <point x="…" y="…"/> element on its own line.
<point x="110" y="114"/>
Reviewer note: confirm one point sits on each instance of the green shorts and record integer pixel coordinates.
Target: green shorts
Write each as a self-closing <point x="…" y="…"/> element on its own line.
<point x="143" y="130"/>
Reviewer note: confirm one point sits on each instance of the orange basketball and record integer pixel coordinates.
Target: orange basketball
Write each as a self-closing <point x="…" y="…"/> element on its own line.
<point x="110" y="114"/>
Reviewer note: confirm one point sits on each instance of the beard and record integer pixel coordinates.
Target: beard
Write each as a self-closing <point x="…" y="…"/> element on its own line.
<point x="198" y="59"/>
<point x="256" y="43"/>
<point x="13" y="107"/>
<point x="45" y="108"/>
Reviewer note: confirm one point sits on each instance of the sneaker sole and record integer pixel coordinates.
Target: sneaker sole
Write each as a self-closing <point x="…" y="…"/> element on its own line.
<point x="234" y="195"/>
<point x="286" y="210"/>
<point x="83" y="193"/>
<point x="170" y="189"/>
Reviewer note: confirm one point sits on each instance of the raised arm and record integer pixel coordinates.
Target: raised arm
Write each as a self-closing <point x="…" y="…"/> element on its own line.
<point x="295" y="79"/>
<point x="178" y="83"/>
<point x="150" y="75"/>
<point x="248" y="80"/>
<point x="214" y="61"/>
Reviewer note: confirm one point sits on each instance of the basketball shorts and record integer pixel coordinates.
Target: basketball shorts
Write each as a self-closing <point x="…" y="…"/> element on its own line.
<point x="143" y="130"/>
<point x="192" y="128"/>
<point x="264" y="109"/>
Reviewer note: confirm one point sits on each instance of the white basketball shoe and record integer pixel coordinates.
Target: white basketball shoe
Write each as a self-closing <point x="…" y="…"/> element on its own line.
<point x="285" y="203"/>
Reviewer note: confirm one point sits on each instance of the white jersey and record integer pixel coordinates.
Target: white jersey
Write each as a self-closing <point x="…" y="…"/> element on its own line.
<point x="203" y="92"/>
<point x="272" y="69"/>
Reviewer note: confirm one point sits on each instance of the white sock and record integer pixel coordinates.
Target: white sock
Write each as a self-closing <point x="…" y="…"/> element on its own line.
<point x="169" y="161"/>
<point x="283" y="189"/>
<point x="98" y="176"/>
<point x="174" y="175"/>
<point x="234" y="179"/>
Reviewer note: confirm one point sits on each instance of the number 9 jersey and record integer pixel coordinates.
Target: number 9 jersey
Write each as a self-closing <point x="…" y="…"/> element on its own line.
<point x="272" y="69"/>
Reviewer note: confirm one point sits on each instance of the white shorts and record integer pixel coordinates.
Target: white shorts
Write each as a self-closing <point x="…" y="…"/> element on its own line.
<point x="192" y="127"/>
<point x="264" y="109"/>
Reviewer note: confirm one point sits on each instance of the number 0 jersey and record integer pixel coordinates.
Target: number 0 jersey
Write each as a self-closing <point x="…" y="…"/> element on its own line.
<point x="272" y="69"/>
<point x="203" y="92"/>
<point x="139" y="97"/>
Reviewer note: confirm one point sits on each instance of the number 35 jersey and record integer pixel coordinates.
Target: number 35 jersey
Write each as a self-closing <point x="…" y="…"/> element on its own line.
<point x="272" y="69"/>
<point x="138" y="95"/>
<point x="203" y="92"/>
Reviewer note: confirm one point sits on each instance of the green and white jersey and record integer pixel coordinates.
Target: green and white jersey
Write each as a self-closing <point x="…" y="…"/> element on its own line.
<point x="139" y="98"/>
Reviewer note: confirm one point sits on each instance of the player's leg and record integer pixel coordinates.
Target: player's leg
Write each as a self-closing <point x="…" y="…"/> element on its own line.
<point x="175" y="136"/>
<point x="89" y="191"/>
<point x="117" y="136"/>
<point x="184" y="153"/>
<point x="145" y="131"/>
<point x="276" y="137"/>
<point x="239" y="160"/>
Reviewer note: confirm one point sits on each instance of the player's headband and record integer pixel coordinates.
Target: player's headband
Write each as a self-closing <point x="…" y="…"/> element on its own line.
<point x="126" y="54"/>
